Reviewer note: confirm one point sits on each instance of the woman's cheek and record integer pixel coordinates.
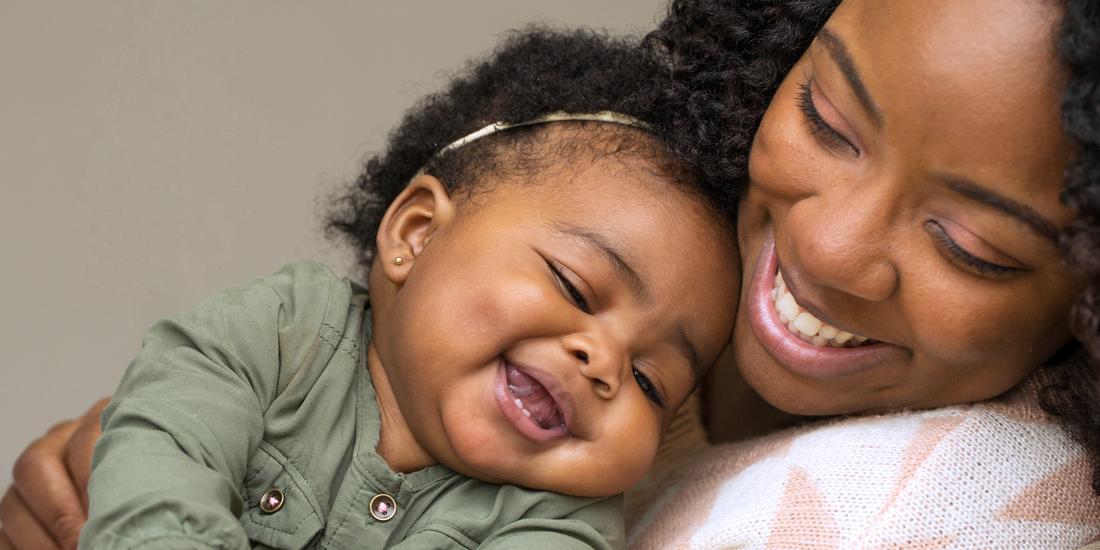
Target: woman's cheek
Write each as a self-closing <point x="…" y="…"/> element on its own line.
<point x="964" y="325"/>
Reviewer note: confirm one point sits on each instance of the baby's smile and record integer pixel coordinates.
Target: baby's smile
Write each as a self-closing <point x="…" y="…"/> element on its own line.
<point x="534" y="402"/>
<point x="541" y="337"/>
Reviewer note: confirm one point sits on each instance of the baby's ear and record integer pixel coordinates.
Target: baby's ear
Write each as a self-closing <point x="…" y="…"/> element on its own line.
<point x="417" y="212"/>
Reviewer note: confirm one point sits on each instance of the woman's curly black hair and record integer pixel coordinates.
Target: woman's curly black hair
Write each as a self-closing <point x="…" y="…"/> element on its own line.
<point x="533" y="72"/>
<point x="728" y="57"/>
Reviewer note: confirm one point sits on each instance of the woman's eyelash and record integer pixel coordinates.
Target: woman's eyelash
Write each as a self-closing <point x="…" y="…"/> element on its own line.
<point x="648" y="388"/>
<point x="818" y="127"/>
<point x="571" y="289"/>
<point x="968" y="260"/>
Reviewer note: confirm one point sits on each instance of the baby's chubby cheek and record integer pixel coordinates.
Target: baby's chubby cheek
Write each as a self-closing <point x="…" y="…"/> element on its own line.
<point x="506" y="309"/>
<point x="475" y="306"/>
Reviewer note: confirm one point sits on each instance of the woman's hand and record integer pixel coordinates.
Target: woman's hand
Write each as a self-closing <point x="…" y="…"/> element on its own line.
<point x="47" y="503"/>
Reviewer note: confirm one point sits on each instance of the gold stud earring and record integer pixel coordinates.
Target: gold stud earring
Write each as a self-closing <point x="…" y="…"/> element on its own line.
<point x="398" y="260"/>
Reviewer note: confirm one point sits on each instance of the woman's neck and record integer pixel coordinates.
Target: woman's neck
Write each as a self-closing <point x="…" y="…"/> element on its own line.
<point x="733" y="411"/>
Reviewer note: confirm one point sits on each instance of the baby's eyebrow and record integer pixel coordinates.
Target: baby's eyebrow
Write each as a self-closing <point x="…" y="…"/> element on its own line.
<point x="621" y="267"/>
<point x="635" y="281"/>
<point x="688" y="349"/>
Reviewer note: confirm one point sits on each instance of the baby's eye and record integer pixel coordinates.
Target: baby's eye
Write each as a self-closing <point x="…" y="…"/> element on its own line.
<point x="648" y="388"/>
<point x="570" y="289"/>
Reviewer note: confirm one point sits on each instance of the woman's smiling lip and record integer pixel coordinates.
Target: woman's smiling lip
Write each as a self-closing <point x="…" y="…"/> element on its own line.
<point x="790" y="351"/>
<point x="523" y="424"/>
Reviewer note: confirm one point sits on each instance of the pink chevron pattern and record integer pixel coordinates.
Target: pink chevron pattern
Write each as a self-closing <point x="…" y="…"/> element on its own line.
<point x="997" y="474"/>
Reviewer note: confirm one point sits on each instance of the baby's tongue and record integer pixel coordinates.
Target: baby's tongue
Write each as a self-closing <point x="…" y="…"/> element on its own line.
<point x="534" y="397"/>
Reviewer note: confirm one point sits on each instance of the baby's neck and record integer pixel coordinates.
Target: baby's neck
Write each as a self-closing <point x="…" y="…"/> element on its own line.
<point x="396" y="443"/>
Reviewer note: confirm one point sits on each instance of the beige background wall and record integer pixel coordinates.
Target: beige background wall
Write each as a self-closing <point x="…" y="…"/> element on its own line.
<point x="152" y="152"/>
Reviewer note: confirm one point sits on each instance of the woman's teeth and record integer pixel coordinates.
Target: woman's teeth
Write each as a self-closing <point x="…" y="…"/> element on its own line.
<point x="803" y="324"/>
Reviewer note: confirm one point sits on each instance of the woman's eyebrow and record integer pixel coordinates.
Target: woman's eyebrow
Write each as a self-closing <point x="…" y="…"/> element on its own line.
<point x="1022" y="212"/>
<point x="839" y="52"/>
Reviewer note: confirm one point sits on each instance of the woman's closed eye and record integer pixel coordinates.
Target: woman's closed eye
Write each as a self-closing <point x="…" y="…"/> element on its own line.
<point x="570" y="289"/>
<point x="959" y="256"/>
<point x="822" y="130"/>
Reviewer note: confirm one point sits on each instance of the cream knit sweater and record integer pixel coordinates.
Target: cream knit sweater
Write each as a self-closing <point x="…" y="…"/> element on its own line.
<point x="998" y="474"/>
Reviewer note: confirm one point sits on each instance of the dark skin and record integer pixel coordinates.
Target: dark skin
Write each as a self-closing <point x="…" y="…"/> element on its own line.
<point x="642" y="349"/>
<point x="908" y="172"/>
<point x="436" y="348"/>
<point x="940" y="157"/>
<point x="999" y="132"/>
<point x="48" y="501"/>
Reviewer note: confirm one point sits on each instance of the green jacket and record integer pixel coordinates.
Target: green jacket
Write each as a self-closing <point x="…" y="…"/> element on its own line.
<point x="265" y="387"/>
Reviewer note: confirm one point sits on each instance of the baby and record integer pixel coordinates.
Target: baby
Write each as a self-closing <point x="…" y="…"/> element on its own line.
<point x="547" y="282"/>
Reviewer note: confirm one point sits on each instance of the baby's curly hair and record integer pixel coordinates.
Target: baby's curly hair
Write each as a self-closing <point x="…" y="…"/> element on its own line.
<point x="729" y="56"/>
<point x="533" y="72"/>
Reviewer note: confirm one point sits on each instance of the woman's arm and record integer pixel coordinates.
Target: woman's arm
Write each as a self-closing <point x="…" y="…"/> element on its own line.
<point x="48" y="501"/>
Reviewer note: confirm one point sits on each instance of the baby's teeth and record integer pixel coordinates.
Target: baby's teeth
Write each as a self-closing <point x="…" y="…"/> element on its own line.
<point x="843" y="336"/>
<point x="519" y="405"/>
<point x="860" y="339"/>
<point x="818" y="341"/>
<point x="827" y="332"/>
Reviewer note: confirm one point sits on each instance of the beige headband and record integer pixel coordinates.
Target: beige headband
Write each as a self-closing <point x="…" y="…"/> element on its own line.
<point x="601" y="116"/>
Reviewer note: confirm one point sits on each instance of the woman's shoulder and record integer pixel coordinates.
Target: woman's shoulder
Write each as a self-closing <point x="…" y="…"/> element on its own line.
<point x="995" y="474"/>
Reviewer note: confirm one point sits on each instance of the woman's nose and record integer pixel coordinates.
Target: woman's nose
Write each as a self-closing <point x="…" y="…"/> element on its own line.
<point x="599" y="360"/>
<point x="844" y="242"/>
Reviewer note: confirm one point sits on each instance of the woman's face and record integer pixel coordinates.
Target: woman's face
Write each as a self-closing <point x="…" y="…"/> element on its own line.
<point x="905" y="186"/>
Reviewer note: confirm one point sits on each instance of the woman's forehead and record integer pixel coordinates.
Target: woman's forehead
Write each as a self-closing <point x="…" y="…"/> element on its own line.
<point x="967" y="89"/>
<point x="985" y="48"/>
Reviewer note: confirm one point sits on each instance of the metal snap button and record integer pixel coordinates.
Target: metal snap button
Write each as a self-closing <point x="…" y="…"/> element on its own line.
<point x="272" y="501"/>
<point x="383" y="507"/>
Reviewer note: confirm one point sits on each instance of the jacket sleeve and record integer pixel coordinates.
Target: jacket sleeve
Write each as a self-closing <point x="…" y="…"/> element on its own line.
<point x="189" y="412"/>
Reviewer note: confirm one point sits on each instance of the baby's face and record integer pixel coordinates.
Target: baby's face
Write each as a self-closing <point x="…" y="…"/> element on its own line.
<point x="545" y="336"/>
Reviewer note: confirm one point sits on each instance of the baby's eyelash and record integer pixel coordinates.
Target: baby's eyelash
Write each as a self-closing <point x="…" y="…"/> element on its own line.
<point x="649" y="388"/>
<point x="818" y="127"/>
<point x="571" y="289"/>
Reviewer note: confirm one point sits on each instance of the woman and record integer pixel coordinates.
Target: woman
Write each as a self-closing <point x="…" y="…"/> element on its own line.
<point x="905" y="184"/>
<point x="905" y="176"/>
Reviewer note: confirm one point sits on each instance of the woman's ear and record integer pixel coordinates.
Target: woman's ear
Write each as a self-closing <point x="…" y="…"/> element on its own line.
<point x="409" y="223"/>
